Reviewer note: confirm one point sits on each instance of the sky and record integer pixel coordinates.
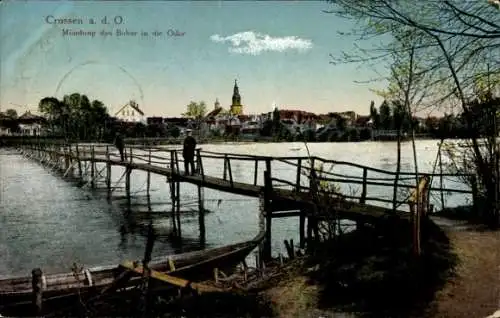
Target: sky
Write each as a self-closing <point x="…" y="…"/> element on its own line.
<point x="279" y="52"/>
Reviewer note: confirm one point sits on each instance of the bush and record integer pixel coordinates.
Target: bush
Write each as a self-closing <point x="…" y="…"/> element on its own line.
<point x="354" y="134"/>
<point x="365" y="134"/>
<point x="174" y="131"/>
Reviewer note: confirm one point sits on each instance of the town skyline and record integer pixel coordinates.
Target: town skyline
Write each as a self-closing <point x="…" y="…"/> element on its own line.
<point x="279" y="52"/>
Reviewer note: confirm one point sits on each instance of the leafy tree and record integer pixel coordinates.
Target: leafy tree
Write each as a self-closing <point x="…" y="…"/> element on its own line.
<point x="354" y="134"/>
<point x="196" y="110"/>
<point x="341" y="123"/>
<point x="156" y="130"/>
<point x="385" y="115"/>
<point x="267" y="128"/>
<point x="12" y="113"/>
<point x="374" y="116"/>
<point x="276" y="121"/>
<point x="364" y="134"/>
<point x="174" y="131"/>
<point x="139" y="130"/>
<point x="457" y="42"/>
<point x="76" y="116"/>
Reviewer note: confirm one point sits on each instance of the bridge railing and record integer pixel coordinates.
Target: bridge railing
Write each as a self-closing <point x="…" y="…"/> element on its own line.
<point x="359" y="182"/>
<point x="353" y="181"/>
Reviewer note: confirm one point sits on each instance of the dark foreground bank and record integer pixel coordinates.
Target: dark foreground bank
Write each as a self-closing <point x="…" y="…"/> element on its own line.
<point x="370" y="273"/>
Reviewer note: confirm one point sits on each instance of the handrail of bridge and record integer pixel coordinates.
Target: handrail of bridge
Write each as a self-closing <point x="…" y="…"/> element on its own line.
<point x="303" y="166"/>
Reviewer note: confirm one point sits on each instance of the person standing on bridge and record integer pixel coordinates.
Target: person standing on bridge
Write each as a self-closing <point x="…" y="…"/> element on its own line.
<point x="120" y="145"/>
<point x="188" y="152"/>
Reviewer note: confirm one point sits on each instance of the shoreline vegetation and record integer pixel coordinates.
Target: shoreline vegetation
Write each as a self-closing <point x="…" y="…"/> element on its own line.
<point x="8" y="140"/>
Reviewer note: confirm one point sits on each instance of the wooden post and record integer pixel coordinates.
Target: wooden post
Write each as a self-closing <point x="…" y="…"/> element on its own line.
<point x="302" y="225"/>
<point x="108" y="172"/>
<point x="37" y="283"/>
<point x="299" y="172"/>
<point x="224" y="176"/>
<point x="199" y="160"/>
<point x="171" y="183"/>
<point x="268" y="212"/>
<point x="72" y="167"/>
<point x="92" y="167"/>
<point x="441" y="179"/>
<point x="80" y="172"/>
<point x="201" y="215"/>
<point x="230" y="172"/>
<point x="262" y="227"/>
<point x="145" y="297"/>
<point x="131" y="156"/>
<point x="268" y="167"/>
<point x="312" y="221"/>
<point x="66" y="158"/>
<point x="172" y="162"/>
<point x="178" y="206"/>
<point x="362" y="199"/>
<point x="177" y="162"/>
<point x="127" y="183"/>
<point x="148" y="181"/>
<point x="255" y="171"/>
<point x="363" y="191"/>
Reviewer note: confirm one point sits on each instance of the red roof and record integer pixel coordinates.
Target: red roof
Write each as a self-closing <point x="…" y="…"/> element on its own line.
<point x="289" y="113"/>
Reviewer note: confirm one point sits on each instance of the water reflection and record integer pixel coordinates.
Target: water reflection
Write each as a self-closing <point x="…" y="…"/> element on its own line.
<point x="51" y="222"/>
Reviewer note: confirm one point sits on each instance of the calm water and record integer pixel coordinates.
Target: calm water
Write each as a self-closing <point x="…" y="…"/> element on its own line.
<point x="49" y="222"/>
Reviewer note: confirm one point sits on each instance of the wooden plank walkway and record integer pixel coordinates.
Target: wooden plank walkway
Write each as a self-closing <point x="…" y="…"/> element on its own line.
<point x="280" y="197"/>
<point x="205" y="181"/>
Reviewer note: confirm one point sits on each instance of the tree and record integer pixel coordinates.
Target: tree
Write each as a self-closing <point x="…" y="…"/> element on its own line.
<point x="276" y="121"/>
<point x="341" y="123"/>
<point x="374" y="116"/>
<point x="195" y="110"/>
<point x="174" y="131"/>
<point x="12" y="113"/>
<point x="458" y="41"/>
<point x="385" y="115"/>
<point x="76" y="116"/>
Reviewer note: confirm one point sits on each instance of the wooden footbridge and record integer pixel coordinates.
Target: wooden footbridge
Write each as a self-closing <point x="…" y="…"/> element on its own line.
<point x="306" y="193"/>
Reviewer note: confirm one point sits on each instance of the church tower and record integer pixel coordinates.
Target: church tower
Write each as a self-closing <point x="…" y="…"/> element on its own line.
<point x="236" y="107"/>
<point x="216" y="104"/>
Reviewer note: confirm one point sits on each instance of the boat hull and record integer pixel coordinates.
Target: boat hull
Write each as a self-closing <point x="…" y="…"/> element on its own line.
<point x="59" y="289"/>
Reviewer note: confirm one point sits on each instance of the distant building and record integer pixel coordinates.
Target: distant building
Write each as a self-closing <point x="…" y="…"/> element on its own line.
<point x="30" y="124"/>
<point x="130" y="112"/>
<point x="236" y="107"/>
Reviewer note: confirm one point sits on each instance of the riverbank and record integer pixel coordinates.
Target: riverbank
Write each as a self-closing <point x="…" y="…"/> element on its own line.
<point x="457" y="276"/>
<point x="381" y="278"/>
<point x="474" y="290"/>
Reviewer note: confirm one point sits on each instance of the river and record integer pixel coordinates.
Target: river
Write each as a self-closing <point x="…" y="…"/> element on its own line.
<point x="50" y="222"/>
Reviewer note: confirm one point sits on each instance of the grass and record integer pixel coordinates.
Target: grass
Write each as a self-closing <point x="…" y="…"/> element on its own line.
<point x="374" y="273"/>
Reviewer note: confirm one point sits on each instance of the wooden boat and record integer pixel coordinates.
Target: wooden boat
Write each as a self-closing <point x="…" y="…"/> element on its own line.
<point x="18" y="291"/>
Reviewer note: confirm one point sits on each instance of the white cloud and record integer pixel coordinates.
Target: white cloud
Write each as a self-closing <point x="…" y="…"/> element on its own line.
<point x="253" y="43"/>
